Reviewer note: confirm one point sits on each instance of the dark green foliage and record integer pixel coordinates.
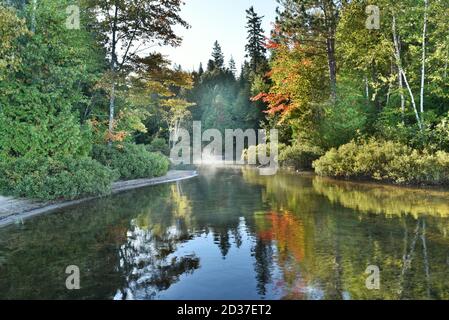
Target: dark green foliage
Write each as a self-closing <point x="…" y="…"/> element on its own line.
<point x="217" y="56"/>
<point x="131" y="161"/>
<point x="232" y="67"/>
<point x="43" y="145"/>
<point x="159" y="145"/>
<point x="256" y="39"/>
<point x="299" y="156"/>
<point x="434" y="136"/>
<point x="343" y="120"/>
<point x="223" y="102"/>
<point x="50" y="178"/>
<point x="37" y="101"/>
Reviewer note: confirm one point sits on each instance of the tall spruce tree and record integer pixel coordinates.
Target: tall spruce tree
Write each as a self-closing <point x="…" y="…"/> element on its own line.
<point x="232" y="67"/>
<point x="217" y="55"/>
<point x="255" y="47"/>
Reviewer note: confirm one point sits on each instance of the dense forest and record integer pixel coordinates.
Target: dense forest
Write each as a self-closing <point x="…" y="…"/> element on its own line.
<point x="356" y="89"/>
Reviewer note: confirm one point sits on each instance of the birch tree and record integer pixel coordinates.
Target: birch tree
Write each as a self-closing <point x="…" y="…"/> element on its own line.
<point x="397" y="54"/>
<point x="423" y="68"/>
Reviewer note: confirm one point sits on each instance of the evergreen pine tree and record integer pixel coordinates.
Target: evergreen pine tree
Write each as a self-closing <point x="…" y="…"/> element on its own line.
<point x="218" y="56"/>
<point x="255" y="46"/>
<point x="232" y="66"/>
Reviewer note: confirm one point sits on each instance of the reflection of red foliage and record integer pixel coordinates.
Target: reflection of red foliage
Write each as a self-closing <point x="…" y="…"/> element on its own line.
<point x="288" y="232"/>
<point x="265" y="235"/>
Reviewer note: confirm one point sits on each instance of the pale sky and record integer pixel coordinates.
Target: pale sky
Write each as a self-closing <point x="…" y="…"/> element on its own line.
<point x="222" y="20"/>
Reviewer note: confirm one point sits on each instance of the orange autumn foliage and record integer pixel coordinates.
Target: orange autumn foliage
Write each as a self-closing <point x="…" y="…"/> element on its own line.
<point x="288" y="232"/>
<point x="295" y="71"/>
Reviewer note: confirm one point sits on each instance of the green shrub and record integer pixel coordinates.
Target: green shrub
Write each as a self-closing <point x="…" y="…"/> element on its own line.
<point x="440" y="136"/>
<point x="385" y="161"/>
<point x="261" y="150"/>
<point x="299" y="156"/>
<point x="420" y="168"/>
<point x="49" y="178"/>
<point x="337" y="163"/>
<point x="159" y="145"/>
<point x="373" y="157"/>
<point x="131" y="161"/>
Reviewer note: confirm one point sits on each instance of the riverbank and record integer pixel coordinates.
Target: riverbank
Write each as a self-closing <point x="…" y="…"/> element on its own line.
<point x="13" y="210"/>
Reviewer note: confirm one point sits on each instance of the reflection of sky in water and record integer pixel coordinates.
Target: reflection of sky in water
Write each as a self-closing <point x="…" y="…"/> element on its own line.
<point x="214" y="270"/>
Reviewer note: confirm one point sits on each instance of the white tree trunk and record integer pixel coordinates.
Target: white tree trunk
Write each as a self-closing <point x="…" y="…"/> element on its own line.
<point x="402" y="72"/>
<point x="418" y="119"/>
<point x="366" y="88"/>
<point x="174" y="128"/>
<point x="423" y="68"/>
<point x="113" y="71"/>
<point x="400" y="81"/>
<point x="111" y="112"/>
<point x="401" y="87"/>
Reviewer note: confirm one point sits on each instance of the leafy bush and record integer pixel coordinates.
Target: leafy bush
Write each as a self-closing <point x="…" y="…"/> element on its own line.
<point x="131" y="161"/>
<point x="49" y="178"/>
<point x="159" y="145"/>
<point x="420" y="168"/>
<point x="261" y="150"/>
<point x="387" y="161"/>
<point x="440" y="137"/>
<point x="299" y="156"/>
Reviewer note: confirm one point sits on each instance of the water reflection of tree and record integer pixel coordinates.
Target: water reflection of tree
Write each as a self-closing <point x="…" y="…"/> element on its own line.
<point x="422" y="213"/>
<point x="88" y="236"/>
<point x="309" y="239"/>
<point x="221" y="200"/>
<point x="150" y="263"/>
<point x="286" y="232"/>
<point x="149" y="258"/>
<point x="347" y="227"/>
<point x="384" y="199"/>
<point x="263" y="254"/>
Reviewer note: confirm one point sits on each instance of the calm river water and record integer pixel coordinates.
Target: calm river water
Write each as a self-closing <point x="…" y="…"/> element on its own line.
<point x="232" y="234"/>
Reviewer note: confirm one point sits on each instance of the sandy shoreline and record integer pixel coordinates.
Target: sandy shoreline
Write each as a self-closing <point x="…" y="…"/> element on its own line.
<point x="14" y="210"/>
